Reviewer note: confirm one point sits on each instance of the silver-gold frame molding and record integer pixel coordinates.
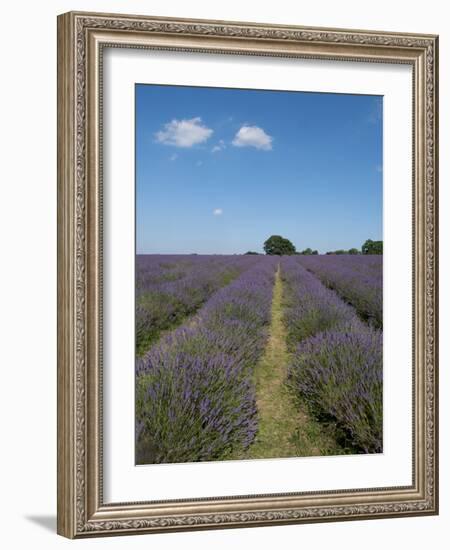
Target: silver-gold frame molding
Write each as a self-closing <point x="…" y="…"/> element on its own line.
<point x="81" y="39"/>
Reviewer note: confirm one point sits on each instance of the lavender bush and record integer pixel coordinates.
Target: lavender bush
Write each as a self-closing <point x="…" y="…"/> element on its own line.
<point x="312" y="308"/>
<point x="194" y="408"/>
<point x="195" y="396"/>
<point x="170" y="288"/>
<point x="357" y="278"/>
<point x="336" y="358"/>
<point x="340" y="375"/>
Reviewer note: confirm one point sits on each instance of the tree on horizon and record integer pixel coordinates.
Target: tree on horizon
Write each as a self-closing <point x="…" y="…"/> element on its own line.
<point x="372" y="247"/>
<point x="276" y="245"/>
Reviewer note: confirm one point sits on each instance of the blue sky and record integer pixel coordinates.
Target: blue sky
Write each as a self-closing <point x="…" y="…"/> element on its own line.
<point x="220" y="170"/>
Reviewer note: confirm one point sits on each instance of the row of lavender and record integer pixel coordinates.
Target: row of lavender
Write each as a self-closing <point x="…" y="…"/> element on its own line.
<point x="336" y="361"/>
<point x="170" y="288"/>
<point x="195" y="395"/>
<point x="358" y="279"/>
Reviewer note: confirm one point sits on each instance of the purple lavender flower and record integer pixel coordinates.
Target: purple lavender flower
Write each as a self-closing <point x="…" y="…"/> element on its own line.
<point x="195" y="394"/>
<point x="358" y="279"/>
<point x="312" y="308"/>
<point x="170" y="288"/>
<point x="340" y="376"/>
<point x="336" y="359"/>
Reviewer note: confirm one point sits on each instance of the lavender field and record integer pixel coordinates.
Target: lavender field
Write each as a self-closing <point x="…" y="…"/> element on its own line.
<point x="252" y="356"/>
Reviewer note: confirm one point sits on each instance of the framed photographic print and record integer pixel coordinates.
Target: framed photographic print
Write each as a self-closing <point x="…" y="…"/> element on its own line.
<point x="247" y="274"/>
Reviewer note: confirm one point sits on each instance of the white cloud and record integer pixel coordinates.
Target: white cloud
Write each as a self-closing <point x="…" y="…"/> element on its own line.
<point x="252" y="136"/>
<point x="217" y="211"/>
<point x="221" y="145"/>
<point x="184" y="133"/>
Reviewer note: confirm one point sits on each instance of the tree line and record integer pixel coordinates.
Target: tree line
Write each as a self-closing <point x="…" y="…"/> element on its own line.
<point x="276" y="245"/>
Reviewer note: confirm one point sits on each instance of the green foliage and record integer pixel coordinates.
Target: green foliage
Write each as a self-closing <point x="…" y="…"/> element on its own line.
<point x="251" y="253"/>
<point x="341" y="251"/>
<point x="308" y="252"/>
<point x="372" y="247"/>
<point x="278" y="246"/>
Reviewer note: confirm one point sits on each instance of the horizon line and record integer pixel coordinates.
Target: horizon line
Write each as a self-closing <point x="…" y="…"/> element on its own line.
<point x="236" y="253"/>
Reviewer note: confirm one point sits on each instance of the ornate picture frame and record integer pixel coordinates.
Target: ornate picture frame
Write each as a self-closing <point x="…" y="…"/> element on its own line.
<point x="82" y="38"/>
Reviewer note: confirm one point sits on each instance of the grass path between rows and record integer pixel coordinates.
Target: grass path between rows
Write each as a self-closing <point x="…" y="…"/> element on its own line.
<point x="285" y="428"/>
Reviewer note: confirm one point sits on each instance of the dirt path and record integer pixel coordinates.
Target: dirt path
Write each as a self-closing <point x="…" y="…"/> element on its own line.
<point x="285" y="429"/>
